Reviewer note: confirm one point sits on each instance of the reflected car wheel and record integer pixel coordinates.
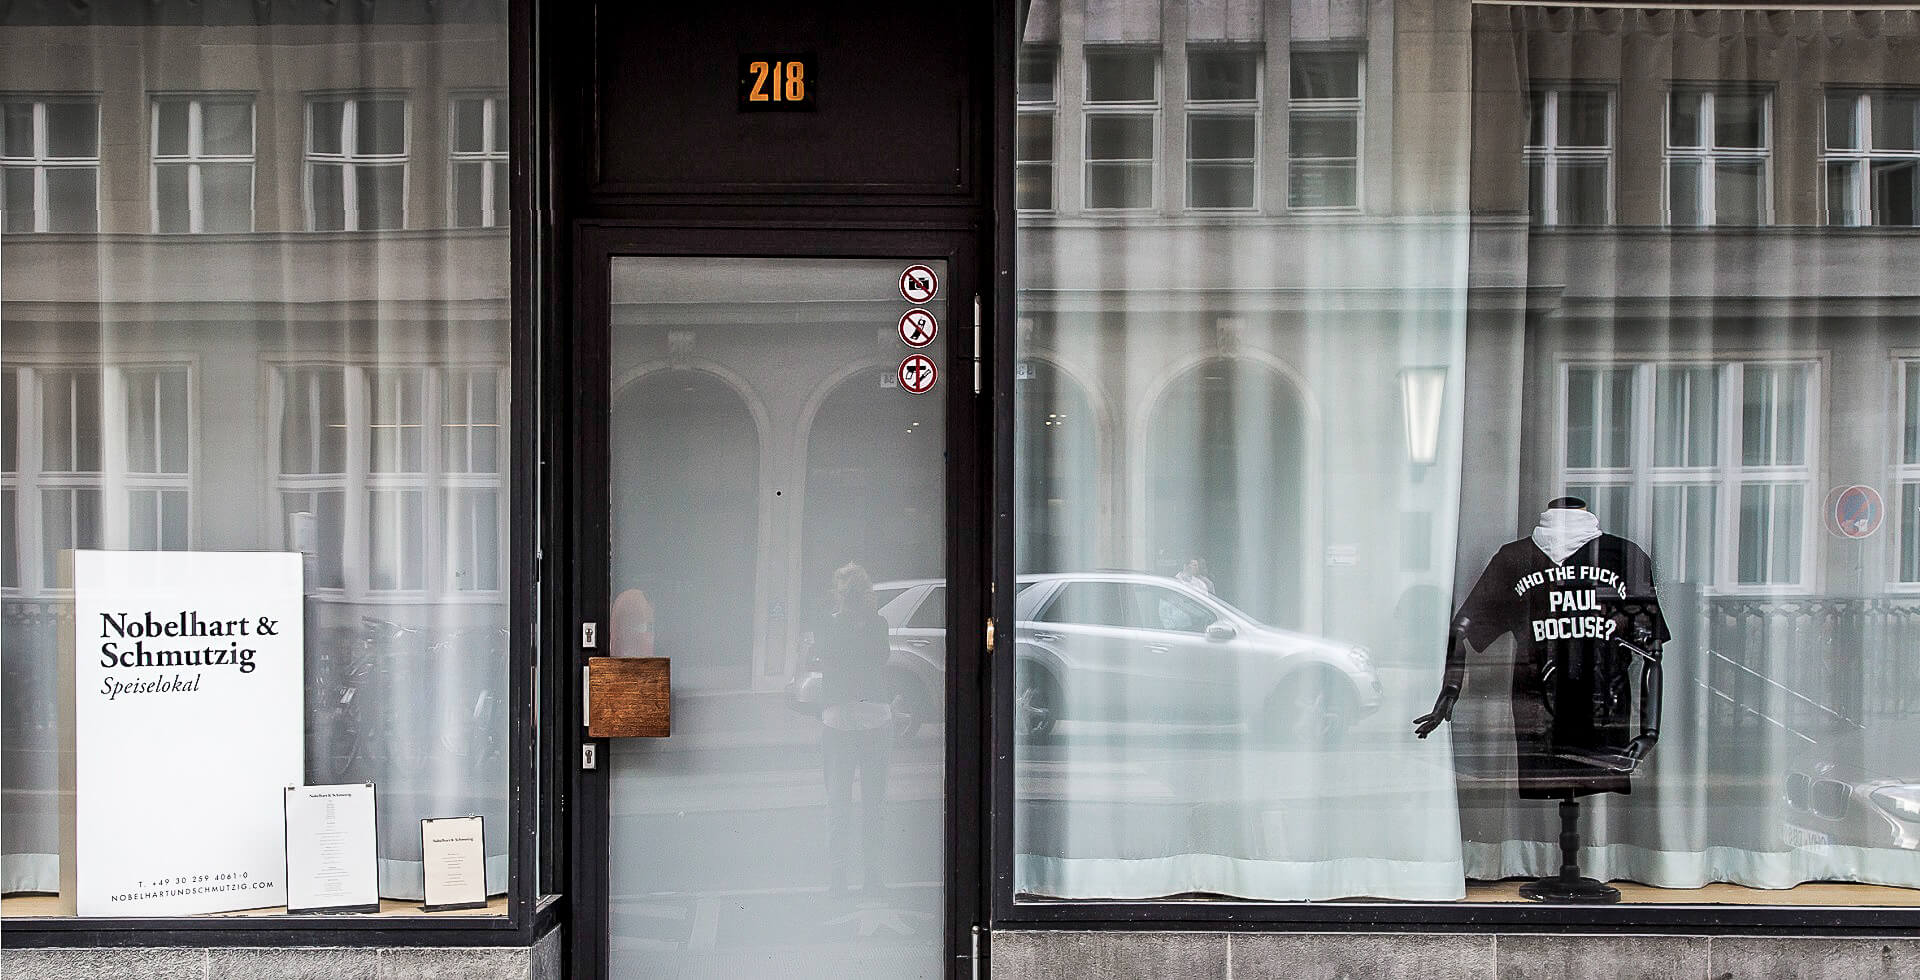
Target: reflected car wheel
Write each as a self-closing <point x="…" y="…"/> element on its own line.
<point x="1314" y="709"/>
<point x="1036" y="702"/>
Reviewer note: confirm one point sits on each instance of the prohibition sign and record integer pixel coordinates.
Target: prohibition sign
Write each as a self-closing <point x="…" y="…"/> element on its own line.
<point x="918" y="328"/>
<point x="918" y="284"/>
<point x="917" y="373"/>
<point x="1855" y="511"/>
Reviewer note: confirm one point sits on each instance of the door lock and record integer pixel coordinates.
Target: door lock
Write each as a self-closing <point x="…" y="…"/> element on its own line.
<point x="589" y="755"/>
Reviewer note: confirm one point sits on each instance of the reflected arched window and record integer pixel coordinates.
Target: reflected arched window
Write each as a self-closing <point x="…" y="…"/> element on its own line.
<point x="1056" y="496"/>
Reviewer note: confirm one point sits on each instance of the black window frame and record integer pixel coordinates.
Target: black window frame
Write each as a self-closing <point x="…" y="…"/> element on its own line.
<point x="1006" y="911"/>
<point x="536" y="853"/>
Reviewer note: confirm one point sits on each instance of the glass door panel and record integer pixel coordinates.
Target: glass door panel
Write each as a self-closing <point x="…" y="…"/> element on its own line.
<point x="777" y="440"/>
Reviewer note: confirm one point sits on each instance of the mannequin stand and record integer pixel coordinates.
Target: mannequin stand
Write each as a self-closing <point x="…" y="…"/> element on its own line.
<point x="1569" y="887"/>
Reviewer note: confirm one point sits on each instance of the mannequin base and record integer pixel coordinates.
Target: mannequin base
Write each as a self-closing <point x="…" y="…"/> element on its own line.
<point x="1570" y="891"/>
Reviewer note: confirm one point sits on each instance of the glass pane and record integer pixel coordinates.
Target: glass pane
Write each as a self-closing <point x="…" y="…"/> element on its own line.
<point x="18" y="201"/>
<point x="1683" y="119"/>
<point x="1911" y="419"/>
<point x="16" y="129"/>
<point x="10" y="572"/>
<point x="326" y="118"/>
<point x="10" y="421"/>
<point x="1583" y="119"/>
<point x="473" y="540"/>
<point x="1033" y="186"/>
<point x="469" y="189"/>
<point x="399" y="442"/>
<point x="380" y="127"/>
<point x="1740" y="121"/>
<point x="1895" y="185"/>
<point x="1893" y="121"/>
<point x="1739" y="192"/>
<point x="1771" y="520"/>
<point x="1325" y="74"/>
<point x="502" y="195"/>
<point x="175" y="415"/>
<point x="1683" y="192"/>
<point x="1537" y="118"/>
<point x="1842" y="129"/>
<point x="170" y="202"/>
<point x="1221" y="76"/>
<point x="382" y="196"/>
<point x="1221" y="185"/>
<point x="1118" y="75"/>
<point x="316" y="526"/>
<point x="1599" y="417"/>
<point x="1841" y="206"/>
<point x="1910" y="532"/>
<point x="833" y="811"/>
<point x="328" y="196"/>
<point x="1118" y="137"/>
<point x="1036" y="77"/>
<point x="1686" y="416"/>
<point x="1774" y="409"/>
<point x="226" y="197"/>
<point x="71" y="199"/>
<point x="143" y="520"/>
<point x="174" y="530"/>
<point x="313" y="422"/>
<point x="1583" y="192"/>
<point x="469" y="126"/>
<point x="73" y="129"/>
<point x="142" y="421"/>
<point x="1221" y="138"/>
<point x="1683" y="520"/>
<point x="171" y="136"/>
<point x="1034" y="137"/>
<point x="396" y="540"/>
<point x="1120" y="185"/>
<point x="226" y="128"/>
<point x="1324" y="136"/>
<point x="1322" y="185"/>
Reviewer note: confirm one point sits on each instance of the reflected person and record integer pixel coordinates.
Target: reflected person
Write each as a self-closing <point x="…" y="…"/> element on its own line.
<point x="857" y="737"/>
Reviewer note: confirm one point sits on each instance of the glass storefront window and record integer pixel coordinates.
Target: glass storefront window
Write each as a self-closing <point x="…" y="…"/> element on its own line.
<point x="1542" y="431"/>
<point x="237" y="320"/>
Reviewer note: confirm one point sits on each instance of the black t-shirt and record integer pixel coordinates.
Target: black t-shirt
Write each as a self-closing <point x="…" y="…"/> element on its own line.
<point x="853" y="652"/>
<point x="1572" y="683"/>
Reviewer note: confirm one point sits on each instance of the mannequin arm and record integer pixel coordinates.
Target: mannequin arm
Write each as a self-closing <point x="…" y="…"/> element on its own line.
<point x="1450" y="687"/>
<point x="1651" y="686"/>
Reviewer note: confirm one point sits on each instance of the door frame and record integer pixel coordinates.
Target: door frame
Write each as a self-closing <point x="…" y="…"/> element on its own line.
<point x="585" y="534"/>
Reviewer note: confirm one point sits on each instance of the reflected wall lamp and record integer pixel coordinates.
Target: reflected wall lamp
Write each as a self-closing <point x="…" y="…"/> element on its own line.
<point x="1422" y="395"/>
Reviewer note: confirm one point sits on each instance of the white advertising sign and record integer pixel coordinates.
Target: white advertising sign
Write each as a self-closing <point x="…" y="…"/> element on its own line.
<point x="185" y="721"/>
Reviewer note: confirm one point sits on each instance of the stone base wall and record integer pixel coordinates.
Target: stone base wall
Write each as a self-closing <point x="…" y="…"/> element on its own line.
<point x="538" y="962"/>
<point x="1371" y="956"/>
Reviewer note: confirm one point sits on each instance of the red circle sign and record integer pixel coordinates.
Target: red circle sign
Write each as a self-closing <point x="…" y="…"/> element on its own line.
<point x="918" y="328"/>
<point x="919" y="283"/>
<point x="917" y="373"/>
<point x="1855" y="511"/>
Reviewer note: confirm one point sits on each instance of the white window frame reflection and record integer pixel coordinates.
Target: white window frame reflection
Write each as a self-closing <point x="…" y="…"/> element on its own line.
<point x="1045" y="111"/>
<point x="364" y="481"/>
<point x="42" y="161"/>
<point x="1707" y="157"/>
<point x="115" y="481"/>
<point x="1248" y="109"/>
<point x="196" y="157"/>
<point x="1552" y="156"/>
<point x="1727" y="473"/>
<point x="1906" y="470"/>
<point x="351" y="161"/>
<point x="1859" y="160"/>
<point x="1330" y="108"/>
<point x="490" y="158"/>
<point x="1148" y="109"/>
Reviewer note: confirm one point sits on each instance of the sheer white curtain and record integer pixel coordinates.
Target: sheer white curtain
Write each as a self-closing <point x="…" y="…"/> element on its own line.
<point x="255" y="298"/>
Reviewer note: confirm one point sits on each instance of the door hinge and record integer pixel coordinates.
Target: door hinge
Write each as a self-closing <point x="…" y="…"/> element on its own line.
<point x="976" y="343"/>
<point x="974" y="956"/>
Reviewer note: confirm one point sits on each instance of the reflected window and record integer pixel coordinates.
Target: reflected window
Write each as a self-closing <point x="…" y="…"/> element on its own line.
<point x="1090" y="604"/>
<point x="357" y="163"/>
<point x="203" y="164"/>
<point x="1569" y="155"/>
<point x="1718" y="145"/>
<point x="66" y="488"/>
<point x="480" y="194"/>
<point x="1123" y="121"/>
<point x="1660" y="451"/>
<point x="1033" y="166"/>
<point x="1223" y="129"/>
<point x="49" y="164"/>
<point x="1323" y="141"/>
<point x="1156" y="608"/>
<point x="1872" y="158"/>
<point x="390" y="476"/>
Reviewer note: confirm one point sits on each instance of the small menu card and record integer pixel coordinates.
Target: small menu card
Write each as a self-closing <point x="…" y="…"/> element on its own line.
<point x="330" y="849"/>
<point x="455" y="854"/>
